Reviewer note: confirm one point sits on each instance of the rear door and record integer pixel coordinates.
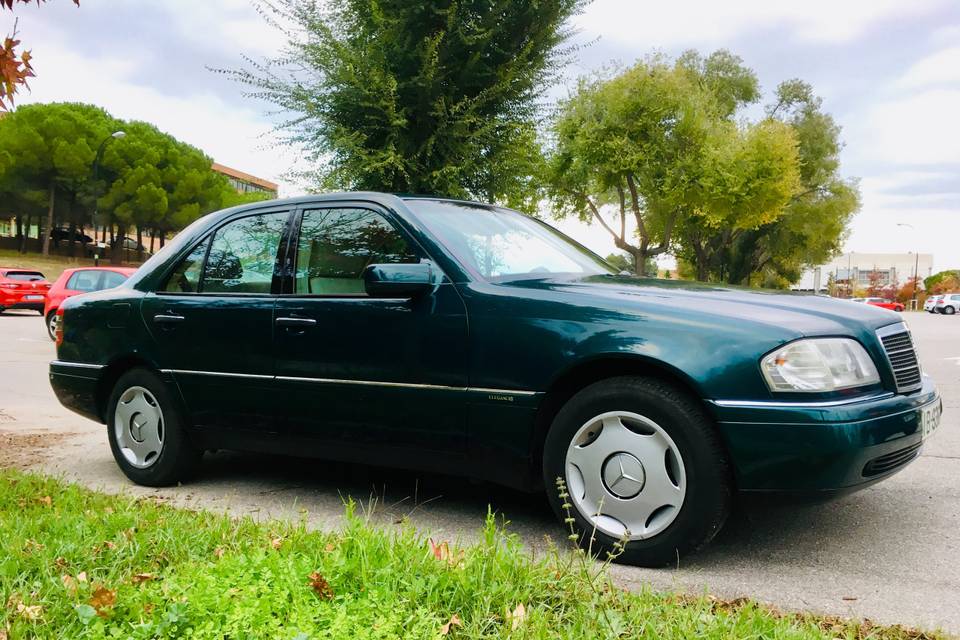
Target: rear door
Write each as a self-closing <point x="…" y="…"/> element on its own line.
<point x="212" y="321"/>
<point x="372" y="375"/>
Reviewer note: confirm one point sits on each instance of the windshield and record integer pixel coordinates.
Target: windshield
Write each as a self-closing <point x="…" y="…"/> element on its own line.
<point x="501" y="244"/>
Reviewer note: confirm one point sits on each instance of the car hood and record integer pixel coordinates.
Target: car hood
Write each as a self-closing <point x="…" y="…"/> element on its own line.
<point x="801" y="314"/>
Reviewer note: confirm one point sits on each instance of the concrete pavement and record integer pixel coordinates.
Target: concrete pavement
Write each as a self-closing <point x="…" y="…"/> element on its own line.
<point x="890" y="552"/>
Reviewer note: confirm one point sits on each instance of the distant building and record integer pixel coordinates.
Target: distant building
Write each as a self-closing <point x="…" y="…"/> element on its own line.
<point x="855" y="270"/>
<point x="244" y="182"/>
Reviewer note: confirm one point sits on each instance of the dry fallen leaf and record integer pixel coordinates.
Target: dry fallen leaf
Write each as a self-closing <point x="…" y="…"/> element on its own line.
<point x="142" y="577"/>
<point x="218" y="552"/>
<point x="69" y="582"/>
<point x="60" y="562"/>
<point x="3" y="634"/>
<point x="46" y="501"/>
<point x="32" y="612"/>
<point x="102" y="598"/>
<point x="329" y="548"/>
<point x="516" y="618"/>
<point x="442" y="552"/>
<point x="82" y="576"/>
<point x="320" y="586"/>
<point x="31" y="545"/>
<point x="276" y="543"/>
<point x="455" y="621"/>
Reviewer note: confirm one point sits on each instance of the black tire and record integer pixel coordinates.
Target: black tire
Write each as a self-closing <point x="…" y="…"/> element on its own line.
<point x="709" y="484"/>
<point x="51" y="327"/>
<point x="949" y="311"/>
<point x="178" y="458"/>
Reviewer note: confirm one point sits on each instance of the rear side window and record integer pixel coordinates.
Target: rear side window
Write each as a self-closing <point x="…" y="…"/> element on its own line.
<point x="242" y="256"/>
<point x="84" y="281"/>
<point x="27" y="276"/>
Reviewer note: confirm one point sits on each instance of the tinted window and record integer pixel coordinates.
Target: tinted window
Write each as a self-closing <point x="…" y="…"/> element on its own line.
<point x="84" y="281"/>
<point x="336" y="245"/>
<point x="242" y="255"/>
<point x="29" y="276"/>
<point x="186" y="277"/>
<point x="112" y="279"/>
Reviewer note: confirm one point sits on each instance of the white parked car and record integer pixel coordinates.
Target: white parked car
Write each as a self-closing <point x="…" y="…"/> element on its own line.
<point x="948" y="304"/>
<point x="931" y="303"/>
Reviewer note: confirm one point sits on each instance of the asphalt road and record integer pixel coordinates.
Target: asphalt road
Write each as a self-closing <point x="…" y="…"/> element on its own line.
<point x="890" y="553"/>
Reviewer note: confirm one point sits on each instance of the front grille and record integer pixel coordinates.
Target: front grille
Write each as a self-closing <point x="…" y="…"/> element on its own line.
<point x="902" y="357"/>
<point x="891" y="461"/>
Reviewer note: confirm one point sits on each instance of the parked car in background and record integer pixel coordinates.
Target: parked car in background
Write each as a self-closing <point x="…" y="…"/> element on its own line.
<point x="883" y="303"/>
<point x="63" y="235"/>
<point x="858" y="299"/>
<point x="471" y="339"/>
<point x="930" y="304"/>
<point x="76" y="281"/>
<point x="129" y="244"/>
<point x="947" y="304"/>
<point x="22" y="289"/>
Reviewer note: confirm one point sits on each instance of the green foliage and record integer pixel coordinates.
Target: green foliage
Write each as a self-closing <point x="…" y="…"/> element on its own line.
<point x="146" y="179"/>
<point x="943" y="282"/>
<point x="810" y="226"/>
<point x="80" y="564"/>
<point x="435" y="97"/>
<point x="659" y="141"/>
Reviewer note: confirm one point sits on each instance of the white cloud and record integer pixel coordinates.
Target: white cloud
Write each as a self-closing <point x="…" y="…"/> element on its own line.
<point x="941" y="68"/>
<point x="703" y="22"/>
<point x="918" y="129"/>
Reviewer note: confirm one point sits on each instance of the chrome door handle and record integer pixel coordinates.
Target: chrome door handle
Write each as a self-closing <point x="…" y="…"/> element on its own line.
<point x="298" y="323"/>
<point x="167" y="318"/>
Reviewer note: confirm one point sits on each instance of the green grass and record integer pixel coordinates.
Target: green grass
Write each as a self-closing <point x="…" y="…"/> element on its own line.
<point x="50" y="266"/>
<point x="80" y="564"/>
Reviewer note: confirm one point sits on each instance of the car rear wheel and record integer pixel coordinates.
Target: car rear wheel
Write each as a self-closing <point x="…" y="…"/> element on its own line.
<point x="642" y="464"/>
<point x="146" y="431"/>
<point x="52" y="321"/>
<point x="949" y="311"/>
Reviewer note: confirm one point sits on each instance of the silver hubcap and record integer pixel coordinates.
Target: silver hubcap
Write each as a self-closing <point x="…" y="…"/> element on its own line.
<point x="52" y="324"/>
<point x="625" y="475"/>
<point x="138" y="426"/>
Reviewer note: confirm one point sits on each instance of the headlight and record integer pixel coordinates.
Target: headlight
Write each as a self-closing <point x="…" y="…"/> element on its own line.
<point x="819" y="364"/>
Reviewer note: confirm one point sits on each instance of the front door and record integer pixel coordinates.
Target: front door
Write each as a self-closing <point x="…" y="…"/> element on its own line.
<point x="367" y="375"/>
<point x="212" y="321"/>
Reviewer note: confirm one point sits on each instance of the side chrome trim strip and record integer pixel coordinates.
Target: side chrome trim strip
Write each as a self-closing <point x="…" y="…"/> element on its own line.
<point x="760" y="404"/>
<point x="217" y="374"/>
<point x="370" y="383"/>
<point x="78" y="365"/>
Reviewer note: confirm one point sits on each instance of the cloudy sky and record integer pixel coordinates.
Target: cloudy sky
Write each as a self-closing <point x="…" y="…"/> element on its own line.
<point x="888" y="71"/>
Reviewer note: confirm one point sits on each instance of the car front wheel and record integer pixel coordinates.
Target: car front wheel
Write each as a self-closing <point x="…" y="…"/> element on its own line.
<point x="146" y="431"/>
<point x="642" y="465"/>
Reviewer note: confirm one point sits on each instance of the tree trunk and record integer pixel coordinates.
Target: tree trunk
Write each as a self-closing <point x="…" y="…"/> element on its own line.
<point x="153" y="238"/>
<point x="24" y="232"/>
<point x="46" y="236"/>
<point x="163" y="237"/>
<point x="73" y="239"/>
<point x="116" y="245"/>
<point x="139" y="243"/>
<point x="19" y="236"/>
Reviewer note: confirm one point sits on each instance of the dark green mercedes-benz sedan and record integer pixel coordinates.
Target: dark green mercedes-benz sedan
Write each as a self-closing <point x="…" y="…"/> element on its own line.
<point x="469" y="339"/>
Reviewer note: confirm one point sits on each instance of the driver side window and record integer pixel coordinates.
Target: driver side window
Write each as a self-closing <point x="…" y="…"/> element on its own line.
<point x="336" y="245"/>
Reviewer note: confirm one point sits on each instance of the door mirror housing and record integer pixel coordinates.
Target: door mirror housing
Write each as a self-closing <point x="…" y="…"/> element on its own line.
<point x="398" y="280"/>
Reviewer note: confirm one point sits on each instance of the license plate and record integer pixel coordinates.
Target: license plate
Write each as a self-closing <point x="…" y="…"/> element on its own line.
<point x="930" y="419"/>
<point x="33" y="297"/>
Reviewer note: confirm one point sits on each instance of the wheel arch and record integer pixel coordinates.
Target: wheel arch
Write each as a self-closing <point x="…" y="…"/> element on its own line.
<point x="112" y="372"/>
<point x="586" y="372"/>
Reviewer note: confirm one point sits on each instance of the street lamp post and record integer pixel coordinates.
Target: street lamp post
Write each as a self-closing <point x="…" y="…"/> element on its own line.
<point x="96" y="175"/>
<point x="916" y="266"/>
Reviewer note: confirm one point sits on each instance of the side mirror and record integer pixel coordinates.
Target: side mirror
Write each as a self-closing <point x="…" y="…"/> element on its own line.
<point x="398" y="280"/>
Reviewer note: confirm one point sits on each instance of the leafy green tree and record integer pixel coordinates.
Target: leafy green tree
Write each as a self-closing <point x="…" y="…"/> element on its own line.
<point x="659" y="142"/>
<point x="50" y="148"/>
<point x="943" y="282"/>
<point x="439" y="96"/>
<point x="154" y="181"/>
<point x="811" y="226"/>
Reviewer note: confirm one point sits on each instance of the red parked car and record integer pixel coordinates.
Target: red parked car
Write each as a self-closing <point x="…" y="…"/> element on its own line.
<point x="22" y="289"/>
<point x="886" y="304"/>
<point x="80" y="280"/>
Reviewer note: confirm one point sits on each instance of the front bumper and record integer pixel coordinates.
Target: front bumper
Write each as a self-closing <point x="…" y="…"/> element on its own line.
<point x="826" y="447"/>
